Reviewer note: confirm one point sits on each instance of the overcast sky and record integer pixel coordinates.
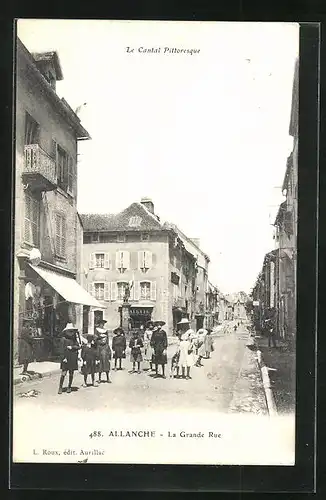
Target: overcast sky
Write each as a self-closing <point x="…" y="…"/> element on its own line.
<point x="204" y="135"/>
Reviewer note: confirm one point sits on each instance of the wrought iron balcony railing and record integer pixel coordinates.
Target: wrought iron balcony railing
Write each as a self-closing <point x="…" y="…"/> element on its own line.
<point x="39" y="169"/>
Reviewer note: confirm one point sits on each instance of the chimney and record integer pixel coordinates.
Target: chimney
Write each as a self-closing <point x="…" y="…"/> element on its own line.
<point x="147" y="202"/>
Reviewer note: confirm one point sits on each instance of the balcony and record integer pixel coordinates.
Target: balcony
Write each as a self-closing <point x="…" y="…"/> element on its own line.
<point x="39" y="169"/>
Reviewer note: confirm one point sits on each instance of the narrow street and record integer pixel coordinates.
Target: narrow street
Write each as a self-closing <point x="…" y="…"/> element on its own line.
<point x="228" y="382"/>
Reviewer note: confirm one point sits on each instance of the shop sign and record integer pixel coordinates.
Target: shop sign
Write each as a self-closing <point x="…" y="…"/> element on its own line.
<point x="140" y="311"/>
<point x="255" y="303"/>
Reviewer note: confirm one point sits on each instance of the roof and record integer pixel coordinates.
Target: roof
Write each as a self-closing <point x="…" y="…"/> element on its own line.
<point x="190" y="246"/>
<point x="143" y="220"/>
<point x="50" y="56"/>
<point x="61" y="105"/>
<point x="280" y="214"/>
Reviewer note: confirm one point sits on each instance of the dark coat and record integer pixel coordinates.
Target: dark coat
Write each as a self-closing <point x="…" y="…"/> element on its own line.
<point x="89" y="355"/>
<point x="71" y="355"/>
<point x="136" y="343"/>
<point x="159" y="342"/>
<point x="104" y="353"/>
<point x="26" y="354"/>
<point x="119" y="345"/>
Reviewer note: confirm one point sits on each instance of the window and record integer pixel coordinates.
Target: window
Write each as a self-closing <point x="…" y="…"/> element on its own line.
<point x="95" y="237"/>
<point x="32" y="220"/>
<point x="104" y="238"/>
<point x="135" y="221"/>
<point x="87" y="238"/>
<point x="60" y="235"/>
<point x="62" y="168"/>
<point x="145" y="290"/>
<point x="99" y="260"/>
<point x="32" y="130"/>
<point x="144" y="260"/>
<point x="121" y="287"/>
<point x="144" y="237"/>
<point x="70" y="186"/>
<point x="99" y="291"/>
<point x="122" y="260"/>
<point x="121" y="238"/>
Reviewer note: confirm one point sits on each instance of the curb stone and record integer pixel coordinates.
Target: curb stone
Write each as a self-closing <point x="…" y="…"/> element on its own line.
<point x="272" y="410"/>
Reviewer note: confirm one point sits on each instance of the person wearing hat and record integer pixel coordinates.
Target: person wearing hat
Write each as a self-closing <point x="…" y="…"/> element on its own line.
<point x="187" y="348"/>
<point x="69" y="355"/>
<point x="90" y="357"/>
<point x="119" y="346"/>
<point x="147" y="344"/>
<point x="159" y="343"/>
<point x="104" y="351"/>
<point x="135" y="344"/>
<point x="26" y="351"/>
<point x="201" y="351"/>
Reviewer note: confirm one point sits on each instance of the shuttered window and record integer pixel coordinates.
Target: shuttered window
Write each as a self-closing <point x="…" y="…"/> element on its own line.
<point x="32" y="130"/>
<point x="121" y="287"/>
<point x="99" y="260"/>
<point x="122" y="260"/>
<point x="145" y="290"/>
<point x="71" y="175"/>
<point x="145" y="260"/>
<point x="32" y="220"/>
<point x="60" y="235"/>
<point x="99" y="291"/>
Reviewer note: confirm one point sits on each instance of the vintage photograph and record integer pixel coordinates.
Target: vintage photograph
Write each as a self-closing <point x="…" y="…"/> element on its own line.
<point x="155" y="242"/>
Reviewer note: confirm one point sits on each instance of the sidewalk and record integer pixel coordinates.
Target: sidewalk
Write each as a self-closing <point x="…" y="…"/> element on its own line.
<point x="37" y="370"/>
<point x="281" y="364"/>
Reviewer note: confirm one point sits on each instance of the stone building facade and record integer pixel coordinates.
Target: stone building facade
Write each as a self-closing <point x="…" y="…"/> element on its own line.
<point x="134" y="249"/>
<point x="47" y="231"/>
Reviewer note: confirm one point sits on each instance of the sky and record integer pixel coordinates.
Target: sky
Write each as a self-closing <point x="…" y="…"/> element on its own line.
<point x="205" y="135"/>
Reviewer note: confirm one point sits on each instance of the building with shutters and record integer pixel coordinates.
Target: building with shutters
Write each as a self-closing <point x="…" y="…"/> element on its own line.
<point x="286" y="230"/>
<point x="48" y="229"/>
<point x="133" y="248"/>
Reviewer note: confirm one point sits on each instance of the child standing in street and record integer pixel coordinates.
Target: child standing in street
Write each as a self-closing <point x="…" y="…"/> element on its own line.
<point x="69" y="355"/>
<point x="135" y="344"/>
<point x="89" y="355"/>
<point x="119" y="345"/>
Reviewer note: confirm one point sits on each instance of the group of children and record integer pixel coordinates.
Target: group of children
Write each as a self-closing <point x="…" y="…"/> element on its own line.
<point x="94" y="352"/>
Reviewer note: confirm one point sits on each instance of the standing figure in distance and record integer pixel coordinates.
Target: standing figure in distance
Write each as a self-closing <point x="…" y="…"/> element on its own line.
<point x="119" y="345"/>
<point x="90" y="357"/>
<point x="159" y="343"/>
<point x="209" y="347"/>
<point x="104" y="351"/>
<point x="69" y="355"/>
<point x="201" y="351"/>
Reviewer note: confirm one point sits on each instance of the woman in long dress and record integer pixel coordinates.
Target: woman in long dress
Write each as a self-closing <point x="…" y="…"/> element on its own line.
<point x="159" y="343"/>
<point x="148" y="354"/>
<point x="104" y="351"/>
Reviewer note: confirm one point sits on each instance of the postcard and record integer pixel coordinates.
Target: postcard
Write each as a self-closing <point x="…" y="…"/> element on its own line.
<point x="156" y="201"/>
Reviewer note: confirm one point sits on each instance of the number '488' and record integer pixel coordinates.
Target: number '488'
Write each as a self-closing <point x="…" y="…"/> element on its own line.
<point x="95" y="434"/>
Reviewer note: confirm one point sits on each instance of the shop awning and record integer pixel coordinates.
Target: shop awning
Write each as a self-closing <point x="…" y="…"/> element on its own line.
<point x="68" y="288"/>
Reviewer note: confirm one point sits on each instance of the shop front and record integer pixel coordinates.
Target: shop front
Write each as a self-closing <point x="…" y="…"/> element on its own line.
<point x="140" y="315"/>
<point x="51" y="300"/>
